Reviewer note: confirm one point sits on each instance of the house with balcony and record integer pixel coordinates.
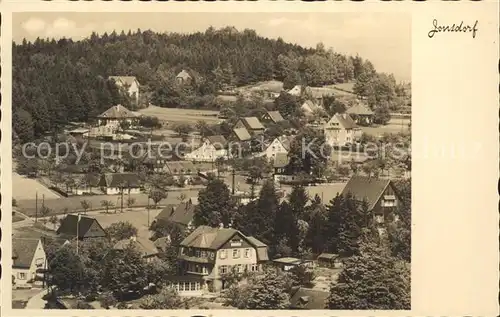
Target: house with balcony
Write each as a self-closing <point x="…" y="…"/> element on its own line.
<point x="379" y="193"/>
<point x="208" y="254"/>
<point x="341" y="130"/>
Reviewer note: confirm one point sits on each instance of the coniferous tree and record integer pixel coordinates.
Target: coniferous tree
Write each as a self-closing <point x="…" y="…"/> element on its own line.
<point x="216" y="205"/>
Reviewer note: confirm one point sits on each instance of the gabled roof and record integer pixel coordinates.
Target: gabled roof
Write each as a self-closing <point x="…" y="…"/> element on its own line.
<point x="309" y="105"/>
<point x="184" y="75"/>
<point x="162" y="243"/>
<point x="252" y="123"/>
<point x="117" y="112"/>
<point x="121" y="179"/>
<point x="364" y="187"/>
<point x="178" y="167"/>
<point x="360" y="109"/>
<point x="242" y="134"/>
<point x="213" y="238"/>
<point x="219" y="141"/>
<point x="145" y="246"/>
<point x="166" y="212"/>
<point x="208" y="238"/>
<point x="306" y="298"/>
<point x="286" y="141"/>
<point x="182" y="214"/>
<point x="68" y="226"/>
<point x="344" y="120"/>
<point x="275" y="116"/>
<point x="124" y="80"/>
<point x="23" y="251"/>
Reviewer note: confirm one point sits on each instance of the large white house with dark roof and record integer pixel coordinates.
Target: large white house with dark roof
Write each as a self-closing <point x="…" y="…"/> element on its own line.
<point x="212" y="148"/>
<point x="341" y="130"/>
<point x="207" y="254"/>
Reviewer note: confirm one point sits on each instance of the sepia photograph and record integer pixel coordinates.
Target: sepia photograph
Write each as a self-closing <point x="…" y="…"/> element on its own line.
<point x="211" y="161"/>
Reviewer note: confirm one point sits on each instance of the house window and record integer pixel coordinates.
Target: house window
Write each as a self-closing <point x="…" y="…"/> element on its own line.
<point x="193" y="286"/>
<point x="239" y="268"/>
<point x="236" y="243"/>
<point x="197" y="253"/>
<point x="223" y="254"/>
<point x="223" y="269"/>
<point x="236" y="253"/>
<point x="254" y="268"/>
<point x="21" y="276"/>
<point x="247" y="253"/>
<point x="204" y="270"/>
<point x="203" y="254"/>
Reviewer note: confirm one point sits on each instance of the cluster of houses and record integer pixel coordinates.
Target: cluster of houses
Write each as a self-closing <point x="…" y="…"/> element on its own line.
<point x="208" y="254"/>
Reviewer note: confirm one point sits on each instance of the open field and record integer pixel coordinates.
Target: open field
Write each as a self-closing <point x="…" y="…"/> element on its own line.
<point x="394" y="126"/>
<point x="181" y="115"/>
<point x="138" y="217"/>
<point x="26" y="188"/>
<point x="57" y="206"/>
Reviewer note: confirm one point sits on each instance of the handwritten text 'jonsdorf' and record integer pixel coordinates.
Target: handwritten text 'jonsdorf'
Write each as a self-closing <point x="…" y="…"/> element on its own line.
<point x="461" y="27"/>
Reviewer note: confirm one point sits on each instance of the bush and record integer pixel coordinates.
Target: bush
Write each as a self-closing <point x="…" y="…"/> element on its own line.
<point x="107" y="300"/>
<point x="83" y="305"/>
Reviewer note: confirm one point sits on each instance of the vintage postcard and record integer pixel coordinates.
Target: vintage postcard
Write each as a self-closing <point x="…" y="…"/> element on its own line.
<point x="249" y="159"/>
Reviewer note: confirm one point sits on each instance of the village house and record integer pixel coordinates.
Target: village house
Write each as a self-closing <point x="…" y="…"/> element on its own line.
<point x="80" y="134"/>
<point x="181" y="215"/>
<point x="110" y="121"/>
<point x="145" y="247"/>
<point x="309" y="107"/>
<point x="129" y="83"/>
<point x="361" y="114"/>
<point x="210" y="253"/>
<point x="307" y="298"/>
<point x="287" y="263"/>
<point x="329" y="260"/>
<point x="73" y="226"/>
<point x="183" y="78"/>
<point x="212" y="148"/>
<point x="281" y="173"/>
<point x="28" y="257"/>
<point x="272" y="116"/>
<point x="280" y="145"/>
<point x="252" y="124"/>
<point x="181" y="170"/>
<point x="114" y="183"/>
<point x="341" y="130"/>
<point x="379" y="193"/>
<point x="241" y="135"/>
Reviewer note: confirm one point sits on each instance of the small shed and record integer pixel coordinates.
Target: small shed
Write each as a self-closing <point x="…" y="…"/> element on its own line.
<point x="329" y="260"/>
<point x="288" y="263"/>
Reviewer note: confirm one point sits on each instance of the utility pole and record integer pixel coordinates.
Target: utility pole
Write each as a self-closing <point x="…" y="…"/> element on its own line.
<point x="234" y="174"/>
<point x="36" y="206"/>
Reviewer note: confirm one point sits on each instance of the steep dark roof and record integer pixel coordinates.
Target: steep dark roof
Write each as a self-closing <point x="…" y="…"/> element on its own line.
<point x="121" y="179"/>
<point x="344" y="120"/>
<point x="166" y="212"/>
<point x="208" y="238"/>
<point x="182" y="214"/>
<point x="364" y="187"/>
<point x="23" y="251"/>
<point x="242" y="134"/>
<point x="306" y="298"/>
<point x="145" y="246"/>
<point x="219" y="141"/>
<point x="68" y="225"/>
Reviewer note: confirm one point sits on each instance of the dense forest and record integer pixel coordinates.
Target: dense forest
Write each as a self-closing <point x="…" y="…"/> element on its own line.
<point x="56" y="81"/>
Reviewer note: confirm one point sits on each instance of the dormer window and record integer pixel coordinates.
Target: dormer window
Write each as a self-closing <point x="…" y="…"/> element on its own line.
<point x="389" y="201"/>
<point x="236" y="242"/>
